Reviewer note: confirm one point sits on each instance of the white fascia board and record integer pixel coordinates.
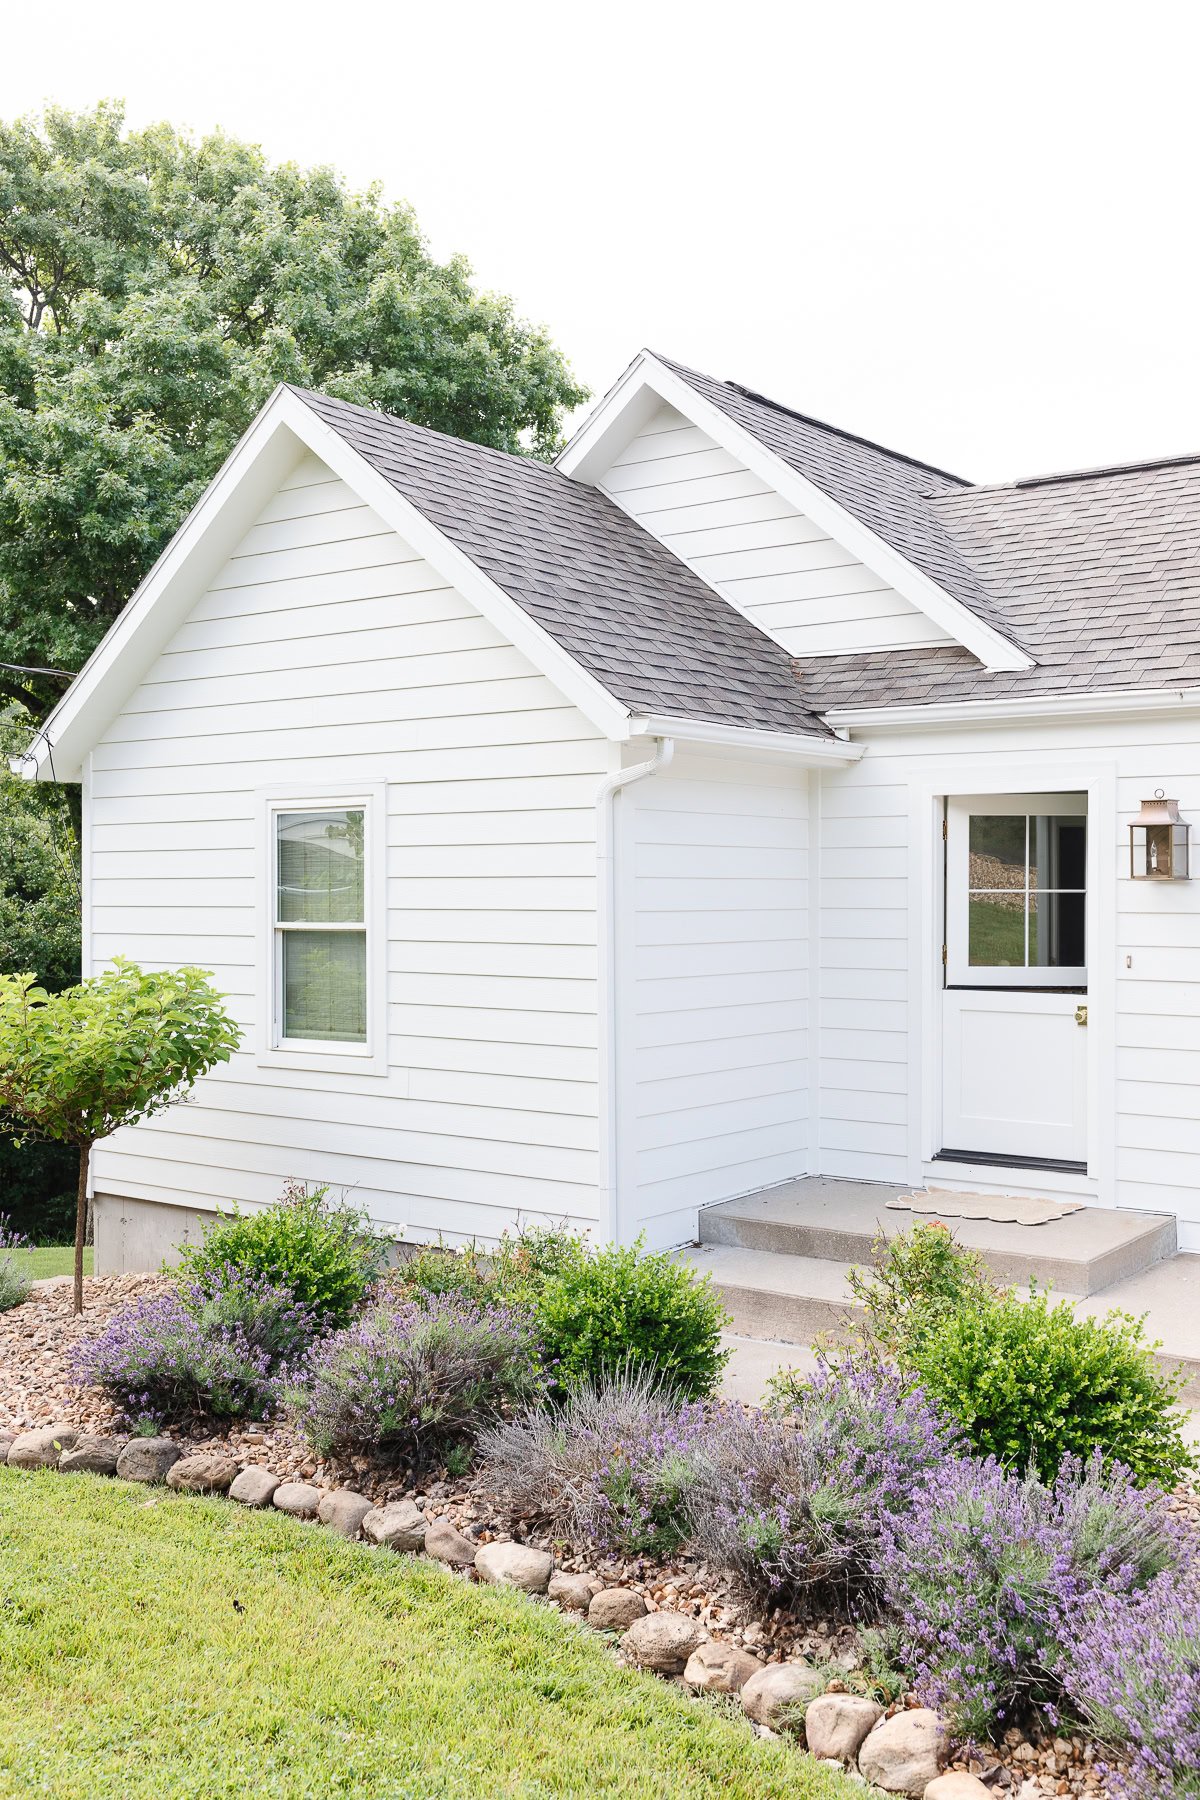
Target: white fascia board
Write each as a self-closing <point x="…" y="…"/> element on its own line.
<point x="947" y="714"/>
<point x="266" y="454"/>
<point x="795" y="745"/>
<point x="646" y="384"/>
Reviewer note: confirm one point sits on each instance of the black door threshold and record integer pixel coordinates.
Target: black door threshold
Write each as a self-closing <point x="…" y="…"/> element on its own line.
<point x="992" y="1159"/>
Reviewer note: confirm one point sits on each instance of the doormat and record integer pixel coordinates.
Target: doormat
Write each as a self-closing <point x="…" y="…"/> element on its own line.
<point x="1002" y="1209"/>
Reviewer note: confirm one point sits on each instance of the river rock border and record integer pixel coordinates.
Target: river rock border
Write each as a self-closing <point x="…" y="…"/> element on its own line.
<point x="901" y="1751"/>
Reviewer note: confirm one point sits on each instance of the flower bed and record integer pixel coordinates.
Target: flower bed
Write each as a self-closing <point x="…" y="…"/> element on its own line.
<point x="853" y="1536"/>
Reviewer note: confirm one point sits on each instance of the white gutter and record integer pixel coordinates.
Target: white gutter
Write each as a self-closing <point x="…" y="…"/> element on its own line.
<point x="606" y="949"/>
<point x="738" y="737"/>
<point x="976" y="713"/>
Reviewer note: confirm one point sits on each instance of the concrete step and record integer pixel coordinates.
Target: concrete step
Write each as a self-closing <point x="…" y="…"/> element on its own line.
<point x="837" y="1221"/>
<point x="773" y="1297"/>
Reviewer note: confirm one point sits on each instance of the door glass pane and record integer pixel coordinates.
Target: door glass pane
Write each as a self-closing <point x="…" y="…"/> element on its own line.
<point x="997" y="851"/>
<point x="320" y="867"/>
<point x="325" y="985"/>
<point x="996" y="930"/>
<point x="1056" y="931"/>
<point x="1057" y="852"/>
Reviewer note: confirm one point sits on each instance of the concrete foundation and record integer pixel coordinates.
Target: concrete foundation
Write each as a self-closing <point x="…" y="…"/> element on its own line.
<point x="136" y="1237"/>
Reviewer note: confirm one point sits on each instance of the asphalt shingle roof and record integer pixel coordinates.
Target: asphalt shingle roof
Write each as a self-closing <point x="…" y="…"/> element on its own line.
<point x="1096" y="575"/>
<point x="652" y="633"/>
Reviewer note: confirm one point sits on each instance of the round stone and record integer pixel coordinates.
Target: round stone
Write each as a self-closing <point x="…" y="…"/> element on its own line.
<point x="615" y="1609"/>
<point x="717" y="1668"/>
<point x="400" y="1525"/>
<point x="297" y="1498"/>
<point x="208" y="1473"/>
<point x="92" y="1456"/>
<point x="663" y="1641"/>
<point x="147" y="1459"/>
<point x="41" y="1448"/>
<point x="344" y="1511"/>
<point x="836" y="1724"/>
<point x="902" y="1754"/>
<point x="572" y="1592"/>
<point x="767" y="1695"/>
<point x="255" y="1486"/>
<point x="515" y="1565"/>
<point x="449" y="1545"/>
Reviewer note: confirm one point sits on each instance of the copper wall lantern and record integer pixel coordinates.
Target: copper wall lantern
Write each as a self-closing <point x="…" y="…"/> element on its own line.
<point x="1158" y="842"/>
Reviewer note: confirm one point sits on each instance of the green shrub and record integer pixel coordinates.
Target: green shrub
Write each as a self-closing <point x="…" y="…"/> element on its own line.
<point x="916" y="1280"/>
<point x="325" y="1253"/>
<point x="14" y="1280"/>
<point x="1031" y="1383"/>
<point x="622" y="1310"/>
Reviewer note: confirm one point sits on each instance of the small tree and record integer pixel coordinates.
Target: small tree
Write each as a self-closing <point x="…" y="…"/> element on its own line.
<point x="77" y="1065"/>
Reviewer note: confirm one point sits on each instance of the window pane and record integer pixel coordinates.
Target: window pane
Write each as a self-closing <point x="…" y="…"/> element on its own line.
<point x="1057" y="852"/>
<point x="320" y="867"/>
<point x="1056" y="931"/>
<point x="996" y="931"/>
<point x="325" y="985"/>
<point x="996" y="849"/>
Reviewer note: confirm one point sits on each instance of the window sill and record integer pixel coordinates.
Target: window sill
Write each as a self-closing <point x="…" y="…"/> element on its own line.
<point x="324" y="1062"/>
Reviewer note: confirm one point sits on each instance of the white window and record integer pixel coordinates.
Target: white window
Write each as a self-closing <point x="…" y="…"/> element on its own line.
<point x="1016" y="891"/>
<point x="323" y="931"/>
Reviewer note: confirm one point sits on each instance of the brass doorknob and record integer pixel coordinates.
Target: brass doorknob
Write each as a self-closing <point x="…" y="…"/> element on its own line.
<point x="1081" y="1015"/>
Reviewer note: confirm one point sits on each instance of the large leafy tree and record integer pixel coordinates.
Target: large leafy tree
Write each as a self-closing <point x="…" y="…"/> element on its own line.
<point x="158" y="288"/>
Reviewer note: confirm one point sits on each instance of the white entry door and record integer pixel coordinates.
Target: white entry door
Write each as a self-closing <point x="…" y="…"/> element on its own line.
<point x="1014" y="1005"/>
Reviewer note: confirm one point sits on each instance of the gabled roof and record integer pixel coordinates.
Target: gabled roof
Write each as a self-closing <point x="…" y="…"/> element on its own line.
<point x="650" y="632"/>
<point x="869" y="500"/>
<point x="1098" y="572"/>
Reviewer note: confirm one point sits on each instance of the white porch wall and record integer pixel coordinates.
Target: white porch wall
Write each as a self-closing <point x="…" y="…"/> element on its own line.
<point x="713" y="974"/>
<point x="869" y="1041"/>
<point x="755" y="549"/>
<point x="326" y="651"/>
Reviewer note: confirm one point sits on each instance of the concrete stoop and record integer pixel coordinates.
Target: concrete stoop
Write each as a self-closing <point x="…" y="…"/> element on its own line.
<point x="780" y="1259"/>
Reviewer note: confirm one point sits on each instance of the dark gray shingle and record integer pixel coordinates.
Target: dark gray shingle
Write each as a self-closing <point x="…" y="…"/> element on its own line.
<point x="652" y="633"/>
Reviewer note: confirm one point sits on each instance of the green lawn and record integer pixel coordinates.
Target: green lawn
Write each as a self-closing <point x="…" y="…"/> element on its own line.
<point x="152" y="1644"/>
<point x="56" y="1259"/>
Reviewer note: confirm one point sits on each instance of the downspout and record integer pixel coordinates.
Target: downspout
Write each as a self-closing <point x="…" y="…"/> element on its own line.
<point x="606" y="952"/>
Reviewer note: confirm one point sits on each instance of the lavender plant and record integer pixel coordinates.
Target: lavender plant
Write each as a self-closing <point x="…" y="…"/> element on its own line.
<point x="1132" y="1671"/>
<point x="795" y="1500"/>
<point x="219" y="1350"/>
<point x="985" y="1569"/>
<point x="615" y="1466"/>
<point x="14" y="1281"/>
<point x="416" y="1377"/>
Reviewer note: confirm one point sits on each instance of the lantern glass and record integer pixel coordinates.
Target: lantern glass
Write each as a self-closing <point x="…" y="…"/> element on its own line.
<point x="1158" y="842"/>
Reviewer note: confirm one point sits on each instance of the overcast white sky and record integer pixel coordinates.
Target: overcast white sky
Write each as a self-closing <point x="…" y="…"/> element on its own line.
<point x="967" y="230"/>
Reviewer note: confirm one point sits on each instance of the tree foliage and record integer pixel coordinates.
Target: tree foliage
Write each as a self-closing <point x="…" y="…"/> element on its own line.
<point x="77" y="1065"/>
<point x="158" y="288"/>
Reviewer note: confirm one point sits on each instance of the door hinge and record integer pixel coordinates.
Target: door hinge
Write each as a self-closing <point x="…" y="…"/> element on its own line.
<point x="945" y="828"/>
<point x="943" y="956"/>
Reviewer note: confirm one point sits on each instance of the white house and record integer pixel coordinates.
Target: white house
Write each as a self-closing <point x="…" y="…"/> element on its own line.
<point x="735" y="801"/>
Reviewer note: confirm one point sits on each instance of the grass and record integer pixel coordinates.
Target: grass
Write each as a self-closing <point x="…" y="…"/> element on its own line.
<point x="54" y="1259"/>
<point x="154" y="1644"/>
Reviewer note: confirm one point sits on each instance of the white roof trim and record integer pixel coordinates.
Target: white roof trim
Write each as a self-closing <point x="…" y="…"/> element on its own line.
<point x="946" y="714"/>
<point x="795" y="745"/>
<point x="631" y="402"/>
<point x="283" y="430"/>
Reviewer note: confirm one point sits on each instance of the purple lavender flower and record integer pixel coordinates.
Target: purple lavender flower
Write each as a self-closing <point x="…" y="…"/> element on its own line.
<point x="986" y="1569"/>
<point x="416" y="1377"/>
<point x="796" y="1502"/>
<point x="1132" y="1669"/>
<point x="220" y="1349"/>
<point x="14" y="1280"/>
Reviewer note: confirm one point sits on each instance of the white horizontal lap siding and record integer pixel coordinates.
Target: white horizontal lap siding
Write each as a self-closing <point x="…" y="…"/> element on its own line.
<point x="755" y="549"/>
<point x="869" y="1064"/>
<point x="327" y="652"/>
<point x="712" y="959"/>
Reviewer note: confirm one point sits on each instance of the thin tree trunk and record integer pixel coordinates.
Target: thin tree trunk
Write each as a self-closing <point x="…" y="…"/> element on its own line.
<point x="85" y="1153"/>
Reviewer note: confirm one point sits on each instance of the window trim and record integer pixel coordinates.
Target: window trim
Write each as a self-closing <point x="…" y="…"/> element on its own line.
<point x="960" y="971"/>
<point x="322" y="1055"/>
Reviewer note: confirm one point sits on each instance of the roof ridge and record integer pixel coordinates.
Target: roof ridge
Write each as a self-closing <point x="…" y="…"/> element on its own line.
<point x="839" y="431"/>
